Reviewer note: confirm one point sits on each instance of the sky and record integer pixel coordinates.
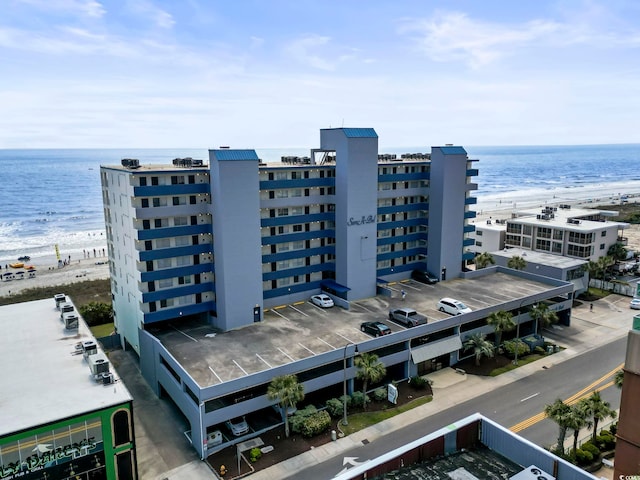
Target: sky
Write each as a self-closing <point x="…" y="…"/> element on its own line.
<point x="272" y="73"/>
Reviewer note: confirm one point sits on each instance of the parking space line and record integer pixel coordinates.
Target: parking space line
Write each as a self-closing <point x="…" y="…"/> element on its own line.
<point x="347" y="339"/>
<point x="267" y="363"/>
<point x="188" y="336"/>
<point x="323" y="341"/>
<point x="479" y="301"/>
<point x="238" y="365"/>
<point x="279" y="314"/>
<point x="308" y="349"/>
<point x="297" y="310"/>
<point x="214" y="372"/>
<point x="408" y="285"/>
<point x="286" y="355"/>
<point x="362" y="307"/>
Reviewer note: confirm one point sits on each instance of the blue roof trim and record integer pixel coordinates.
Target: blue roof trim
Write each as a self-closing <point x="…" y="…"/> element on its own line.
<point x="453" y="150"/>
<point x="226" y="155"/>
<point x="335" y="286"/>
<point x="360" y="132"/>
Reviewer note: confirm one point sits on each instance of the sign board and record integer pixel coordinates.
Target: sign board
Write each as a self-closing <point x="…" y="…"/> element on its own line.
<point x="392" y="393"/>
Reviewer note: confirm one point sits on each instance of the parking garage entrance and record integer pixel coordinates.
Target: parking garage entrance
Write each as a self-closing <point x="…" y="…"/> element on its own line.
<point x="435" y="355"/>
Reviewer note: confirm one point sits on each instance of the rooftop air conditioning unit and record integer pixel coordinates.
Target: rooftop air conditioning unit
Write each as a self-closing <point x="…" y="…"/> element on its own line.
<point x="59" y="298"/>
<point x="89" y="348"/>
<point x="71" y="321"/>
<point x="107" y="378"/>
<point x="98" y="364"/>
<point x="197" y="163"/>
<point x="532" y="473"/>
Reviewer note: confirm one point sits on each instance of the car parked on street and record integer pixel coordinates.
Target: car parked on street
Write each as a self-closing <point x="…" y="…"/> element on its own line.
<point x="635" y="304"/>
<point x="423" y="276"/>
<point x="452" y="306"/>
<point x="238" y="426"/>
<point x="322" y="300"/>
<point x="375" y="328"/>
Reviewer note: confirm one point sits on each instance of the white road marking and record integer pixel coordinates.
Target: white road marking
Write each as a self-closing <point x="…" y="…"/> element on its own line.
<point x="264" y="360"/>
<point x="530" y="397"/>
<point x="238" y="365"/>
<point x="286" y="355"/>
<point x="188" y="336"/>
<point x="326" y="343"/>
<point x="279" y="314"/>
<point x="297" y="310"/>
<point x="213" y="371"/>
<point x="347" y="339"/>
<point x="308" y="349"/>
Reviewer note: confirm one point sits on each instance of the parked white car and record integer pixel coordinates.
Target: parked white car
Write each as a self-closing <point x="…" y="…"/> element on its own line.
<point x="635" y="304"/>
<point x="322" y="300"/>
<point x="238" y="426"/>
<point x="452" y="306"/>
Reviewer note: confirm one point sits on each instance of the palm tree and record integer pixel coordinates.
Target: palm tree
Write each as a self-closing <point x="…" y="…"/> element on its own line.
<point x="596" y="408"/>
<point x="618" y="252"/>
<point x="541" y="314"/>
<point x="604" y="263"/>
<point x="618" y="378"/>
<point x="501" y="321"/>
<point x="593" y="268"/>
<point x="288" y="392"/>
<point x="370" y="369"/>
<point x="560" y="413"/>
<point x="484" y="260"/>
<point x="517" y="263"/>
<point x="480" y="345"/>
<point x="577" y="419"/>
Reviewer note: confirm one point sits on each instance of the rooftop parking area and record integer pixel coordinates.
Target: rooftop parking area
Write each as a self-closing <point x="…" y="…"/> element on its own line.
<point x="294" y="332"/>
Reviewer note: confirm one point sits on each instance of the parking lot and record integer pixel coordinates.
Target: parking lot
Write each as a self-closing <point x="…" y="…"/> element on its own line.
<point x="290" y="333"/>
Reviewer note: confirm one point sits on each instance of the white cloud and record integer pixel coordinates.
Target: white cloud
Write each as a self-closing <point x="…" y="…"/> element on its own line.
<point x="302" y="50"/>
<point x="89" y="8"/>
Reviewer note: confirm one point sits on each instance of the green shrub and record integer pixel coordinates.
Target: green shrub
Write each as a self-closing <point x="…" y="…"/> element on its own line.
<point x="335" y="407"/>
<point x="418" y="382"/>
<point x="346" y="398"/>
<point x="511" y="345"/>
<point x="96" y="313"/>
<point x="613" y="428"/>
<point x="297" y="419"/>
<point x="539" y="350"/>
<point x="591" y="448"/>
<point x="605" y="441"/>
<point x="358" y="399"/>
<point x="254" y="454"/>
<point x="315" y="424"/>
<point x="583" y="457"/>
<point x="380" y="394"/>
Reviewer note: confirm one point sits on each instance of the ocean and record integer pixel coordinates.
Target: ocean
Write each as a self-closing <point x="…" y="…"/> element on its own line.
<point x="53" y="197"/>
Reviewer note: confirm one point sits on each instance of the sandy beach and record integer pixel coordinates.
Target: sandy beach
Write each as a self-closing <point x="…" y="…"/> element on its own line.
<point x="495" y="206"/>
<point x="48" y="274"/>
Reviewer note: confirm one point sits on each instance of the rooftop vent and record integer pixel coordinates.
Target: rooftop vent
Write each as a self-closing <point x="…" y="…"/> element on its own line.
<point x="132" y="163"/>
<point x="532" y="473"/>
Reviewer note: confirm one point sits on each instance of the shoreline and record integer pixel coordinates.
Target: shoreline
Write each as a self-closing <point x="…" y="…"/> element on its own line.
<point x="92" y="264"/>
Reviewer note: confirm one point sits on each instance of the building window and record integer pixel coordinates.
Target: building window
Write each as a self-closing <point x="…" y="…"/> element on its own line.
<point x="177" y="179"/>
<point x="478" y="233"/>
<point x="121" y="426"/>
<point x="145" y="203"/>
<point x="602" y="246"/>
<point x="603" y="233"/>
<point x="478" y="244"/>
<point x="154" y="181"/>
<point x="180" y="221"/>
<point x="526" y="230"/>
<point x="143" y="181"/>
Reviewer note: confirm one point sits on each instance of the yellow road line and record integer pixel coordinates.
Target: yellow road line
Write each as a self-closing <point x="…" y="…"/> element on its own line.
<point x="585" y="392"/>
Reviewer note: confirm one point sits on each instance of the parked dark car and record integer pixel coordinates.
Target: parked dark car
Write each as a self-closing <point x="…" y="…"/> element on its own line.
<point x="423" y="276"/>
<point x="375" y="328"/>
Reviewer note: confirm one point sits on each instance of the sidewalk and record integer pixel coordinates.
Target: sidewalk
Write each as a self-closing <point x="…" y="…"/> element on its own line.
<point x="610" y="319"/>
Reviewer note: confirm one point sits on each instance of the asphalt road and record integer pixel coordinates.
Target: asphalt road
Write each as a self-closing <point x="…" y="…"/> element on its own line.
<point x="508" y="405"/>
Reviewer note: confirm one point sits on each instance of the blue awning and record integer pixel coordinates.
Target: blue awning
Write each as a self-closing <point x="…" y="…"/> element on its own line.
<point x="334" y="286"/>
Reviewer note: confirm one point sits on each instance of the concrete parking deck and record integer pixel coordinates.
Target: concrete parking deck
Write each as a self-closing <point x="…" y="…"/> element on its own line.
<point x="294" y="332"/>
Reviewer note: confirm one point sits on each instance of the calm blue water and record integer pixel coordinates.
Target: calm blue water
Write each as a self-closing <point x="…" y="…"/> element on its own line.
<point x="50" y="197"/>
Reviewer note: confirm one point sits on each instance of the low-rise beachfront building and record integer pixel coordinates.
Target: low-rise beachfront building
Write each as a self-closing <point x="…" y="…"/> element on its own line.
<point x="65" y="413"/>
<point x="580" y="233"/>
<point x="212" y="266"/>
